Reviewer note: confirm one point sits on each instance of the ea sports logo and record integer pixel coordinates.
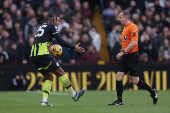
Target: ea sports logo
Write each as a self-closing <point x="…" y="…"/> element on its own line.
<point x="125" y="38"/>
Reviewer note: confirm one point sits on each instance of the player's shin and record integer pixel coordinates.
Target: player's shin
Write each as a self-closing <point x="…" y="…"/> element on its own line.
<point x="46" y="90"/>
<point x="67" y="84"/>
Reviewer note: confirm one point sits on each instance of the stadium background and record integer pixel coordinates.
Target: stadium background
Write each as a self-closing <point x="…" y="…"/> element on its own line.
<point x="93" y="24"/>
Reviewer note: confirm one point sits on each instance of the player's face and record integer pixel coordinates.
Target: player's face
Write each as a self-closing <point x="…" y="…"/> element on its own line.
<point x="57" y="21"/>
<point x="121" y="19"/>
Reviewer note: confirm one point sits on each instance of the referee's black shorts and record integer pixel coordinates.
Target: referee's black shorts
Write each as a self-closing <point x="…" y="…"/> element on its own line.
<point x="129" y="62"/>
<point x="45" y="63"/>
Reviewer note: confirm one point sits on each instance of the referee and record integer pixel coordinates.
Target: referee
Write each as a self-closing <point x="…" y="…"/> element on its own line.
<point x="129" y="59"/>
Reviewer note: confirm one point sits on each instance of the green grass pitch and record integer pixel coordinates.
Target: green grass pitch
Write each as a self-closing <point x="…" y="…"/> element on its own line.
<point x="91" y="102"/>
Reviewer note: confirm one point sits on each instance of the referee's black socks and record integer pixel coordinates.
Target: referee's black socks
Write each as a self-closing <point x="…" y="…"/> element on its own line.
<point x="119" y="89"/>
<point x="145" y="86"/>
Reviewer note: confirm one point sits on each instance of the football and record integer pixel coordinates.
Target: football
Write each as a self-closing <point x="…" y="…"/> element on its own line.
<point x="56" y="50"/>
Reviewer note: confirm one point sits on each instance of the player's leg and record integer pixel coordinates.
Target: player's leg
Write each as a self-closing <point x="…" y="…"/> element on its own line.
<point x="43" y="62"/>
<point x="67" y="84"/>
<point x="46" y="88"/>
<point x="65" y="81"/>
<point x="145" y="86"/>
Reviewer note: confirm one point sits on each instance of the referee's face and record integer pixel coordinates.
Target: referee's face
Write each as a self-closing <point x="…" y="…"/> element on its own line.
<point x="121" y="19"/>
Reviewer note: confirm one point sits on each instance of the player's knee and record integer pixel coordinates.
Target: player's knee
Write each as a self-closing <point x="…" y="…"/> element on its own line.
<point x="48" y="76"/>
<point x="135" y="80"/>
<point x="60" y="72"/>
<point x="52" y="78"/>
<point x="119" y="77"/>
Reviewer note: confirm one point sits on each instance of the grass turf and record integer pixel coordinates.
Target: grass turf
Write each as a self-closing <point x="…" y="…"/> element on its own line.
<point x="91" y="102"/>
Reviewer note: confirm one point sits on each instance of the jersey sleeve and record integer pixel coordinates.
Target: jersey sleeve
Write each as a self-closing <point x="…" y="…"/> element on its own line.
<point x="56" y="35"/>
<point x="134" y="33"/>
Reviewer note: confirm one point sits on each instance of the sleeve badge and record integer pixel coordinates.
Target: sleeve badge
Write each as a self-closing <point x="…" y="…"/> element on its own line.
<point x="134" y="33"/>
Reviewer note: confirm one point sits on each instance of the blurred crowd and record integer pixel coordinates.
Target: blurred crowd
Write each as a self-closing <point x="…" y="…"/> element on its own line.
<point x="20" y="19"/>
<point x="152" y="18"/>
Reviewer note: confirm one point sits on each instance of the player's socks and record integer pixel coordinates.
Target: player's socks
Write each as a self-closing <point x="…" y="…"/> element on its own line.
<point x="46" y="90"/>
<point x="119" y="89"/>
<point x="67" y="84"/>
<point x="145" y="86"/>
<point x="72" y="93"/>
<point x="44" y="99"/>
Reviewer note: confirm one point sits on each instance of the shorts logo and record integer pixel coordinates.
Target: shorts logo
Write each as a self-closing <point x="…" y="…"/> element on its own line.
<point x="57" y="64"/>
<point x="125" y="38"/>
<point x="134" y="33"/>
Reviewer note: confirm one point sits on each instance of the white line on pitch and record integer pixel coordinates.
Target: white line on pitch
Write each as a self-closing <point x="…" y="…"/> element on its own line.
<point x="54" y="93"/>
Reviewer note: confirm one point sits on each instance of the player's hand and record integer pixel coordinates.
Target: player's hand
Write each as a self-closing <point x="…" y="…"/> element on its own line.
<point x="79" y="49"/>
<point x="119" y="55"/>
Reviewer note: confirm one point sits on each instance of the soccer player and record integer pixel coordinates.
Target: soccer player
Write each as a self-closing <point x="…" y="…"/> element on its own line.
<point x="129" y="59"/>
<point x="46" y="63"/>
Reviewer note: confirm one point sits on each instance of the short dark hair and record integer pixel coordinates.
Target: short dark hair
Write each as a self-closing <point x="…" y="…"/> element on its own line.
<point x="126" y="14"/>
<point x="52" y="16"/>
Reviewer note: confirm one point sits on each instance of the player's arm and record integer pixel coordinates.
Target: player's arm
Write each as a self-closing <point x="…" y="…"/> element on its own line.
<point x="62" y="42"/>
<point x="77" y="48"/>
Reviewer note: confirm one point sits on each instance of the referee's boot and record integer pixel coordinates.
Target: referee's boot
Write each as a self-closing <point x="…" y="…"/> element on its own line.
<point x="79" y="94"/>
<point x="154" y="95"/>
<point x="117" y="102"/>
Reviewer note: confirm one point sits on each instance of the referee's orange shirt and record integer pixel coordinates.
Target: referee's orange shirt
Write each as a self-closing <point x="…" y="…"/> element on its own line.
<point x="130" y="33"/>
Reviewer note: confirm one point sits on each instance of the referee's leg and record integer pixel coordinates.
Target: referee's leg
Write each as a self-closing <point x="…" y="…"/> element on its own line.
<point x="119" y="85"/>
<point x="145" y="86"/>
<point x="119" y="89"/>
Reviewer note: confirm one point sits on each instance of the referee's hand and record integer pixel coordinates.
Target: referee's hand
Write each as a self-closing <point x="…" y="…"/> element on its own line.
<point x="119" y="55"/>
<point x="79" y="49"/>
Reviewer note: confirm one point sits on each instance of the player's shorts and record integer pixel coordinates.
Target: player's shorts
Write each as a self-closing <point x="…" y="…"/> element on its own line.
<point x="45" y="63"/>
<point x="129" y="62"/>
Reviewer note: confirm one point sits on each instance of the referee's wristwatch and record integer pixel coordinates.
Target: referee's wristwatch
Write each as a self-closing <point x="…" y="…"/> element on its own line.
<point x="123" y="51"/>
